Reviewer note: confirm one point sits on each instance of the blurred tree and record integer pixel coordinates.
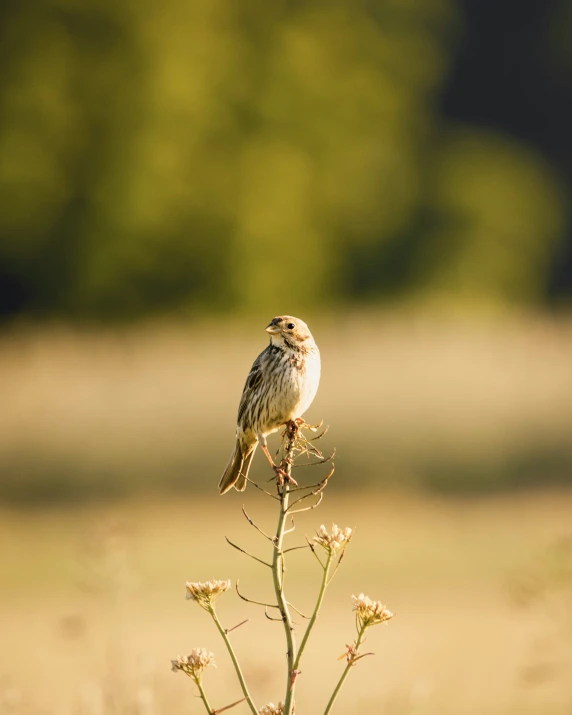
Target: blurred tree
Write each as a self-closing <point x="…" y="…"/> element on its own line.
<point x="513" y="73"/>
<point x="171" y="155"/>
<point x="496" y="218"/>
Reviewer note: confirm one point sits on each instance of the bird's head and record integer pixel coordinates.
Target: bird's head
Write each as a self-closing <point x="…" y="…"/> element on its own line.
<point x="289" y="331"/>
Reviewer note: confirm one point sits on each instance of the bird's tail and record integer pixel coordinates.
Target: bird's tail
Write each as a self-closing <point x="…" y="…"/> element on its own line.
<point x="236" y="470"/>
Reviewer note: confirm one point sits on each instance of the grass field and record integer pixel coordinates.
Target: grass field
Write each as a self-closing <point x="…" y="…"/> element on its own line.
<point x="93" y="608"/>
<point x="446" y="404"/>
<point x="112" y="442"/>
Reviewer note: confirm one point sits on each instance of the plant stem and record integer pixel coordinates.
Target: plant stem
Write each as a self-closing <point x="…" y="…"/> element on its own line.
<point x="344" y="674"/>
<point x="204" y="697"/>
<point x="232" y="654"/>
<point x="278" y="573"/>
<point x="316" y="611"/>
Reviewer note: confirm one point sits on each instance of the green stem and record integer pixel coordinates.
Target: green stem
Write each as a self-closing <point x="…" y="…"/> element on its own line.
<point x="278" y="573"/>
<point x="344" y="674"/>
<point x="232" y="654"/>
<point x="316" y="611"/>
<point x="204" y="697"/>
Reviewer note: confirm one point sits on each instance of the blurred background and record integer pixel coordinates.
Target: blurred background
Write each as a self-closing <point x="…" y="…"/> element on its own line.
<point x="173" y="175"/>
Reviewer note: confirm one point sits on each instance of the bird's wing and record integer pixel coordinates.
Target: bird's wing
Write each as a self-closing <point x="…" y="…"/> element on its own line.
<point x="253" y="381"/>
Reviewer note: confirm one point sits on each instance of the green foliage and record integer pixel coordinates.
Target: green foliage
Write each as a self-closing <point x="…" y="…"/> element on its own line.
<point x="175" y="155"/>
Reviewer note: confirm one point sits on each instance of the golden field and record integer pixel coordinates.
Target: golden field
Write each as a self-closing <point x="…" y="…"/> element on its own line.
<point x="450" y="404"/>
<point x="454" y="465"/>
<point x="93" y="605"/>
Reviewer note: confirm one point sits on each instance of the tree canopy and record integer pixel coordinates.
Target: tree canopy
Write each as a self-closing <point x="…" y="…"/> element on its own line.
<point x="176" y="155"/>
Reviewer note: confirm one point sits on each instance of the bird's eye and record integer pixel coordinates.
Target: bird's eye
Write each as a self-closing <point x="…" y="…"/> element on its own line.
<point x="290" y="326"/>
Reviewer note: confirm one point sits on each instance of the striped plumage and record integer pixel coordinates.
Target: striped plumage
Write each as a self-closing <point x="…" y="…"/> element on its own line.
<point x="280" y="387"/>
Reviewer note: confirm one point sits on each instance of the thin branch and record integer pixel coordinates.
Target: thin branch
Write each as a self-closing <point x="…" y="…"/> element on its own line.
<point x="322" y="433"/>
<point x="311" y="440"/>
<point x="301" y="437"/>
<point x="228" y="707"/>
<point x="313" y="489"/>
<point x="235" y="662"/>
<point x="229" y="630"/>
<point x="359" y="657"/>
<point x="340" y="559"/>
<point x="351" y="662"/>
<point x="289" y="442"/>
<point x="293" y="607"/>
<point x="294" y="548"/>
<point x="256" y="603"/>
<point x="299" y="443"/>
<point x="309" y="508"/>
<point x="312" y="428"/>
<point x="316" y="612"/>
<point x="324" y="460"/>
<point x="249" y="520"/>
<point x="289" y="531"/>
<point x="293" y="675"/>
<point x="320" y="485"/>
<point x="265" y="563"/>
<point x="270" y="617"/>
<point x="204" y="697"/>
<point x="304" y="487"/>
<point x="254" y="484"/>
<point x="311" y="545"/>
<point x="309" y="450"/>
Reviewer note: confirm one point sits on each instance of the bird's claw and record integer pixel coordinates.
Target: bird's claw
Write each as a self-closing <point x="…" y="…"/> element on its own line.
<point x="293" y="426"/>
<point x="283" y="476"/>
<point x="312" y="428"/>
<point x="289" y="478"/>
<point x="297" y="424"/>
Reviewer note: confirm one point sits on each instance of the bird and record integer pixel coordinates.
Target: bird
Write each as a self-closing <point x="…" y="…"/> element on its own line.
<point x="280" y="387"/>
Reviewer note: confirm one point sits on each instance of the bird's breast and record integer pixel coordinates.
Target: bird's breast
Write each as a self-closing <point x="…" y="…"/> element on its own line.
<point x="289" y="385"/>
<point x="309" y="380"/>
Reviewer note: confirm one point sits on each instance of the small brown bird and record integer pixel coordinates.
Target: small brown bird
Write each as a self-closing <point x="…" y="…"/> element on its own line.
<point x="280" y="387"/>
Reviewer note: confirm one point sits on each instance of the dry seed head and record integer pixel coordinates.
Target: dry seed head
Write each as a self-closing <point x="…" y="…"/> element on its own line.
<point x="206" y="593"/>
<point x="370" y="613"/>
<point x="272" y="709"/>
<point x="193" y="664"/>
<point x="337" y="539"/>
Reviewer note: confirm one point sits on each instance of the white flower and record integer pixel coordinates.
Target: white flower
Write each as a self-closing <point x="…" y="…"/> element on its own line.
<point x="336" y="540"/>
<point x="272" y="709"/>
<point x="370" y="613"/>
<point x="205" y="594"/>
<point x="194" y="664"/>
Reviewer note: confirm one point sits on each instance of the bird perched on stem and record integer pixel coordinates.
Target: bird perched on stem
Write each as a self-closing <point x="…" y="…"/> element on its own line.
<point x="280" y="387"/>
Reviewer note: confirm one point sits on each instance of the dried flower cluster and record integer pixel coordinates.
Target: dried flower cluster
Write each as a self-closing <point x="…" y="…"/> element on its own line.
<point x="337" y="539"/>
<point x="194" y="664"/>
<point x="272" y="709"/>
<point x="205" y="594"/>
<point x="370" y="613"/>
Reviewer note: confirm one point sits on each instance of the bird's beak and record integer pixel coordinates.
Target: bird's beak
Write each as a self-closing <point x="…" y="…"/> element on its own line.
<point x="272" y="329"/>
